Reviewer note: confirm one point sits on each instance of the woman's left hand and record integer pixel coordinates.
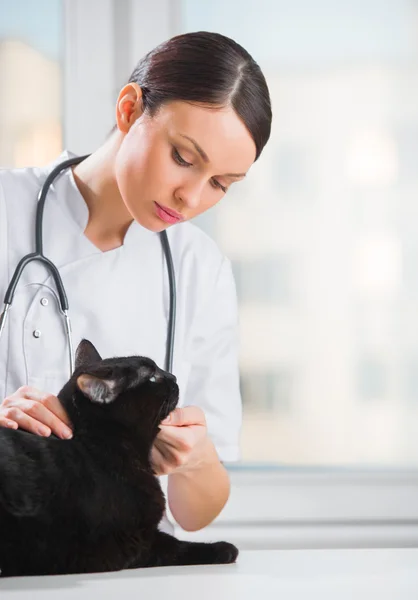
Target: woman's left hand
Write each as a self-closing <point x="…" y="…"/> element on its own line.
<point x="182" y="444"/>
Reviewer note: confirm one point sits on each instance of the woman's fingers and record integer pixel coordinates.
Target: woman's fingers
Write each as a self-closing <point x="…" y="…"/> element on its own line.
<point x="187" y="415"/>
<point x="50" y="402"/>
<point x="24" y="421"/>
<point x="179" y="439"/>
<point x="36" y="412"/>
<point x="4" y="422"/>
<point x="164" y="460"/>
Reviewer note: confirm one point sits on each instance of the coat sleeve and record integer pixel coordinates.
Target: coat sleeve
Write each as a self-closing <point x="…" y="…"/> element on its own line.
<point x="213" y="382"/>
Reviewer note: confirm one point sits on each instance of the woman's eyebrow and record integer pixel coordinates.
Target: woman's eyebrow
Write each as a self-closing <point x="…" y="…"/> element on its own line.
<point x="205" y="157"/>
<point x="198" y="148"/>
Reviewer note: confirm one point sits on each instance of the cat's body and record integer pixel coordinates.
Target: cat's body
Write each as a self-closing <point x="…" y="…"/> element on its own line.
<point x="92" y="503"/>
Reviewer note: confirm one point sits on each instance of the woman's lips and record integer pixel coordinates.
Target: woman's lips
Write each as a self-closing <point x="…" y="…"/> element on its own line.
<point x="167" y="214"/>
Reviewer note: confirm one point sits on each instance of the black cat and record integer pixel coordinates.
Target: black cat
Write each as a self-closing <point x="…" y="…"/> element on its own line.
<point x="93" y="503"/>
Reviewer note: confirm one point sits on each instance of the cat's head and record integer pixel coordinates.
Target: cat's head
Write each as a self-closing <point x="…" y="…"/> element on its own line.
<point x="132" y="391"/>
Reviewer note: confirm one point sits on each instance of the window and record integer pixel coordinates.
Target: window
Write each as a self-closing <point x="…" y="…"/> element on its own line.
<point x="325" y="277"/>
<point x="372" y="375"/>
<point x="317" y="456"/>
<point x="30" y="82"/>
<point x="264" y="280"/>
<point x="268" y="391"/>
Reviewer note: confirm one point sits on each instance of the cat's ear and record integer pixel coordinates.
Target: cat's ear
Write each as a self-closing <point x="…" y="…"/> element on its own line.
<point x="86" y="354"/>
<point x="100" y="391"/>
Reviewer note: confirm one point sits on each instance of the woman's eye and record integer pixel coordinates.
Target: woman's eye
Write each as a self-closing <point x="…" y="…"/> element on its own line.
<point x="218" y="185"/>
<point x="179" y="160"/>
<point x="183" y="163"/>
<point x="152" y="379"/>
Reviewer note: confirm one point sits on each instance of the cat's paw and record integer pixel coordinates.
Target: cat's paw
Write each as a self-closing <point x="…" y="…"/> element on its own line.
<point x="225" y="552"/>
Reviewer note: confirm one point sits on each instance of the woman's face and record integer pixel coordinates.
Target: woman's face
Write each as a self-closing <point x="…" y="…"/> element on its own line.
<point x="181" y="162"/>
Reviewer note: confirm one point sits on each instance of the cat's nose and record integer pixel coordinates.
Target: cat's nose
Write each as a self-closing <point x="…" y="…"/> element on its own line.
<point x="167" y="375"/>
<point x="171" y="377"/>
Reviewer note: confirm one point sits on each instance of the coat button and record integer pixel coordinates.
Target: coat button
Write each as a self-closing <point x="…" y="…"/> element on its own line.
<point x="44" y="301"/>
<point x="37" y="333"/>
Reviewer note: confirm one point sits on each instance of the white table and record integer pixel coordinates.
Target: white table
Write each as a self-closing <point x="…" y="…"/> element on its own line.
<point x="379" y="574"/>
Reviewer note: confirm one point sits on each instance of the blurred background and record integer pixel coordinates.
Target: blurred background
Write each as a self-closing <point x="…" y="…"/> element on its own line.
<point x="323" y="234"/>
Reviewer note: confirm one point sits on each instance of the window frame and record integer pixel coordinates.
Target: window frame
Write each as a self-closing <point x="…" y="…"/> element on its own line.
<point x="317" y="507"/>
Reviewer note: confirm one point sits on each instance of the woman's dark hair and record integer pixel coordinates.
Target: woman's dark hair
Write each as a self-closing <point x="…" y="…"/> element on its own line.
<point x="210" y="69"/>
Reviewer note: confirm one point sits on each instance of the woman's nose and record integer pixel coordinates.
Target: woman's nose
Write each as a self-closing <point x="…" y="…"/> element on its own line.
<point x="191" y="195"/>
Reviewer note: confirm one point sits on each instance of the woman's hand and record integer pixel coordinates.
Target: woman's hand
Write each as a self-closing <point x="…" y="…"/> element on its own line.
<point x="182" y="444"/>
<point x="35" y="411"/>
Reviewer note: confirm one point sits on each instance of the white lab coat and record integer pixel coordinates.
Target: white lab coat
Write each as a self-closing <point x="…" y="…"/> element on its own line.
<point x="119" y="300"/>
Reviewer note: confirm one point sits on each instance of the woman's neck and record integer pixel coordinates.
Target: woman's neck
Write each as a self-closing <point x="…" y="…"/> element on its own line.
<point x="109" y="218"/>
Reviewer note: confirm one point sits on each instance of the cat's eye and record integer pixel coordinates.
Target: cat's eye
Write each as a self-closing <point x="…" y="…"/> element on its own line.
<point x="152" y="379"/>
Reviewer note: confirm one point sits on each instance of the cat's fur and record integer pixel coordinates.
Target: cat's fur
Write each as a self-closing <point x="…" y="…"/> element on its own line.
<point x="93" y="503"/>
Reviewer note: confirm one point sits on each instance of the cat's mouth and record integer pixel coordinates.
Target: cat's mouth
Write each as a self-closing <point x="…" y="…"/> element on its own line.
<point x="169" y="404"/>
<point x="172" y="401"/>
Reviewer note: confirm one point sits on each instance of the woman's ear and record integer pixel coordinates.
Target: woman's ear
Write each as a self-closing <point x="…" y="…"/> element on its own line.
<point x="99" y="391"/>
<point x="129" y="106"/>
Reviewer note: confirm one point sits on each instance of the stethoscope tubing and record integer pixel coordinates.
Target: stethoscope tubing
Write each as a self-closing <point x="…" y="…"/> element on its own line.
<point x="53" y="270"/>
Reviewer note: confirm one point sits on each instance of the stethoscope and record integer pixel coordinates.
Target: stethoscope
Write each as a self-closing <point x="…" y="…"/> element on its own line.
<point x="39" y="255"/>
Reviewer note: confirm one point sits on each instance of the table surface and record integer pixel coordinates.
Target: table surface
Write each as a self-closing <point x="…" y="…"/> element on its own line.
<point x="289" y="574"/>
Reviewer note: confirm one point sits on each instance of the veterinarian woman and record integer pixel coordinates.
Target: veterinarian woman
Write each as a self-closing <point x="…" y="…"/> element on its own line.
<point x="192" y="120"/>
